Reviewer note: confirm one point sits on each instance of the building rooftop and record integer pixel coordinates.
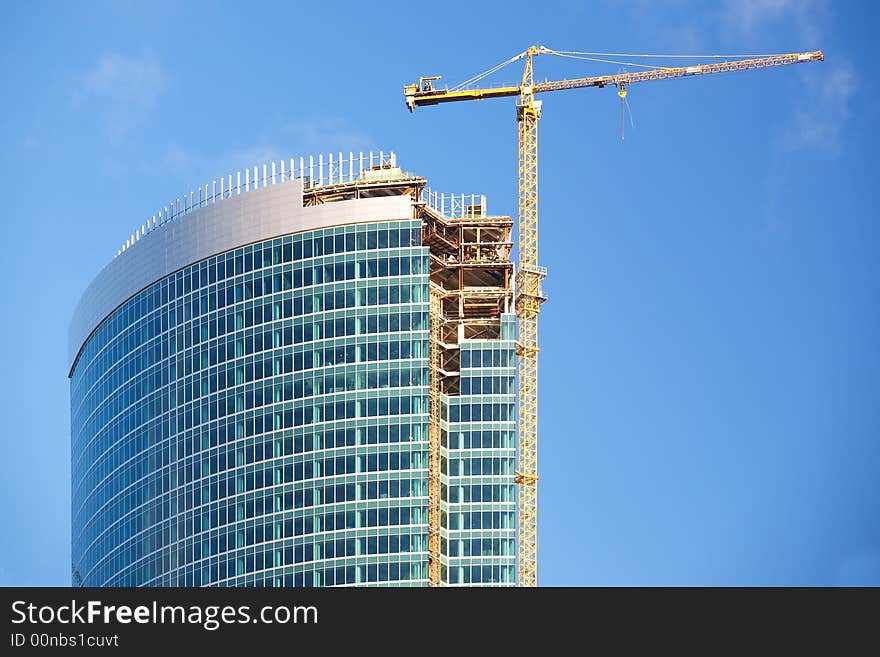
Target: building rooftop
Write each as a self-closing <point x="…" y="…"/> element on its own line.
<point x="320" y="171"/>
<point x="261" y="202"/>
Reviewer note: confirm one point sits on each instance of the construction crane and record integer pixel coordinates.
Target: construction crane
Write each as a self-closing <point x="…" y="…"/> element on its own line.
<point x="529" y="274"/>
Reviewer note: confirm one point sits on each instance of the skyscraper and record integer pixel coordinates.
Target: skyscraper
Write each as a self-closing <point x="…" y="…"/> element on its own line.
<point x="297" y="376"/>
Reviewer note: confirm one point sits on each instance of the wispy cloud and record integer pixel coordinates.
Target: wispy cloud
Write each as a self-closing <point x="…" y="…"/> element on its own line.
<point x="672" y="24"/>
<point x="742" y="18"/>
<point x="748" y="15"/>
<point x="250" y="156"/>
<point x="300" y="137"/>
<point x="826" y="106"/>
<point x="193" y="167"/>
<point x="817" y="125"/>
<point x="123" y="89"/>
<point x="322" y="134"/>
<point x="825" y="97"/>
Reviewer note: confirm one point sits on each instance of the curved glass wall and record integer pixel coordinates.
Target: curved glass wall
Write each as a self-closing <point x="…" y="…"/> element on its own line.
<point x="260" y="418"/>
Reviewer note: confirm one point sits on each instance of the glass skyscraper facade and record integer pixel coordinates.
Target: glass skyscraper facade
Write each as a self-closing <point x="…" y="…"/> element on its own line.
<point x="253" y="409"/>
<point x="481" y="456"/>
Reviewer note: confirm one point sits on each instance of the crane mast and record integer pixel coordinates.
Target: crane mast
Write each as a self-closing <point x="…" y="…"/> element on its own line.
<point x="528" y="304"/>
<point x="529" y="274"/>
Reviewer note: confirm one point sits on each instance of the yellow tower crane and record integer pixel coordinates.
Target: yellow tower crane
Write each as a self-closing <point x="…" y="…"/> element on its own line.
<point x="529" y="275"/>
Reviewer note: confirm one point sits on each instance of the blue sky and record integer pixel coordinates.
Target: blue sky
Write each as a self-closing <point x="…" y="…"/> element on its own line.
<point x="709" y="373"/>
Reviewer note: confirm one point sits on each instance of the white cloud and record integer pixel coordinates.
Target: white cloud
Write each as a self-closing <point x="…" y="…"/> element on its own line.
<point x="325" y="134"/>
<point x="825" y="96"/>
<point x="193" y="168"/>
<point x="123" y="89"/>
<point x="748" y="17"/>
<point x="307" y="136"/>
<point x="825" y="108"/>
<point x="248" y="157"/>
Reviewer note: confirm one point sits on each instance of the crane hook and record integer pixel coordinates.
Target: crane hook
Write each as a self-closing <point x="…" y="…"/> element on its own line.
<point x="621" y="92"/>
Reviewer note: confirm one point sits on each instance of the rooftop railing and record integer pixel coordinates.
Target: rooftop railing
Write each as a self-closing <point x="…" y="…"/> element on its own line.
<point x="335" y="169"/>
<point x="455" y="206"/>
<point x="315" y="172"/>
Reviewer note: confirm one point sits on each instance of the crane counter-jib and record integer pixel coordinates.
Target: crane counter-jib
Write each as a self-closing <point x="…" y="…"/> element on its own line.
<point x="416" y="98"/>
